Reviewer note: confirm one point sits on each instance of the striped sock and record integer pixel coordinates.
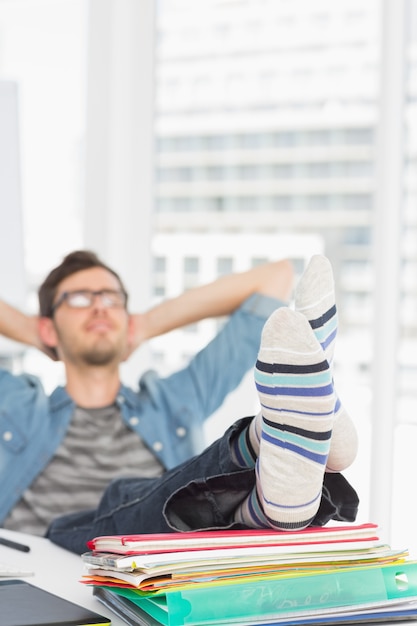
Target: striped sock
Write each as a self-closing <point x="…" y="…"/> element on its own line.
<point x="295" y="388"/>
<point x="245" y="447"/>
<point x="315" y="298"/>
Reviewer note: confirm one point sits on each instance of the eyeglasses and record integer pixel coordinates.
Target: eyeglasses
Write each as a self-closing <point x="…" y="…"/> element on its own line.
<point x="84" y="298"/>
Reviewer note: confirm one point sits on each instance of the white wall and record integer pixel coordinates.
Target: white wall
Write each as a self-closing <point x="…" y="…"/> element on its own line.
<point x="12" y="272"/>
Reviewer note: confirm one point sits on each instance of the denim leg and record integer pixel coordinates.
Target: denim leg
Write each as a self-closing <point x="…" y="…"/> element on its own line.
<point x="137" y="505"/>
<point x="202" y="493"/>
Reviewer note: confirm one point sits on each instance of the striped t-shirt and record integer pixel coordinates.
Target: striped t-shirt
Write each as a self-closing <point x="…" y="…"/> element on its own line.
<point x="97" y="448"/>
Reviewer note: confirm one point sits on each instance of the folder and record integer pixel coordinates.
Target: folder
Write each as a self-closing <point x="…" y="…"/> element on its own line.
<point x="362" y="534"/>
<point x="133" y="615"/>
<point x="317" y="596"/>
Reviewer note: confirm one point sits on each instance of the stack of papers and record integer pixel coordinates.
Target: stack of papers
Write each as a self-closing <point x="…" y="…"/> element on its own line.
<point x="318" y="575"/>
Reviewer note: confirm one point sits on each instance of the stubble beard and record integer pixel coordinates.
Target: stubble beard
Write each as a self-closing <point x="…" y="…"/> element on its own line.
<point x="101" y="355"/>
<point x="101" y="351"/>
<point x="98" y="357"/>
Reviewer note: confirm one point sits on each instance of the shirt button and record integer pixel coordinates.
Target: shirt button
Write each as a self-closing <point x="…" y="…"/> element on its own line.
<point x="120" y="399"/>
<point x="7" y="435"/>
<point x="181" y="431"/>
<point x="134" y="421"/>
<point x="157" y="446"/>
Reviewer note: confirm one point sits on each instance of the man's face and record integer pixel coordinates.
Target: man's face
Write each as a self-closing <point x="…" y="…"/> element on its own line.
<point x="92" y="335"/>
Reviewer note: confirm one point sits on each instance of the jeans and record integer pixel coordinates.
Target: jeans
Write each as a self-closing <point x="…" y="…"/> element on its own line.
<point x="200" y="494"/>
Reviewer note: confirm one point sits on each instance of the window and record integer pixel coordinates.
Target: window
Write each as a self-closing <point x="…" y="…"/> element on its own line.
<point x="224" y="266"/>
<point x="191" y="272"/>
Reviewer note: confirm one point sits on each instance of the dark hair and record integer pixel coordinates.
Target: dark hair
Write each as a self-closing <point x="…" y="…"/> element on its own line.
<point x="72" y="263"/>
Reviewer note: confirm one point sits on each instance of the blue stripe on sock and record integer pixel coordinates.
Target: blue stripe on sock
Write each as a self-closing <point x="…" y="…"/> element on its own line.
<point x="285" y="507"/>
<point x="242" y="449"/>
<point x="317" y="446"/>
<point x="321" y="459"/>
<point x="324" y="344"/>
<point x="328" y="329"/>
<point x="245" y="457"/>
<point x="317" y="441"/>
<point x="237" y="451"/>
<point x="325" y="390"/>
<point x="255" y="509"/>
<point x="286" y="380"/>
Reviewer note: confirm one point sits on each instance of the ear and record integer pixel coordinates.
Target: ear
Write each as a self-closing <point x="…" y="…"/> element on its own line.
<point x="47" y="332"/>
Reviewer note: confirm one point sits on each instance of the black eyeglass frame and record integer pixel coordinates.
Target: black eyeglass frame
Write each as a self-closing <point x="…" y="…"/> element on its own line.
<point x="91" y="294"/>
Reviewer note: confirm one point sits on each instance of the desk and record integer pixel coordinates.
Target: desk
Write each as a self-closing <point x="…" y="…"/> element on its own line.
<point x="54" y="569"/>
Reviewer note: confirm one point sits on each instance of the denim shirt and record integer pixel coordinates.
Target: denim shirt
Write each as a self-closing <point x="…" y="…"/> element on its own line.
<point x="167" y="413"/>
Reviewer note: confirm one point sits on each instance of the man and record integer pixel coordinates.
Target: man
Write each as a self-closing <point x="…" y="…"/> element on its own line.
<point x="278" y="469"/>
<point x="59" y="452"/>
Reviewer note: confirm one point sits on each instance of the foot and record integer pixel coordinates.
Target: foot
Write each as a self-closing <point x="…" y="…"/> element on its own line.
<point x="294" y="384"/>
<point x="315" y="299"/>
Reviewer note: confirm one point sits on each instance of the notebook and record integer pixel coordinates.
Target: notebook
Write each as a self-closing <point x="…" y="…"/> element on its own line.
<point x="23" y="604"/>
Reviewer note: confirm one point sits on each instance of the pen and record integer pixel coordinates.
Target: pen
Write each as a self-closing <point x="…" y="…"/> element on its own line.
<point x="14" y="544"/>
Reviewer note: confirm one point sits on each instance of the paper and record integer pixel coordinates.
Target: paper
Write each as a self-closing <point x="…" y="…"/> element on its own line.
<point x="255" y="578"/>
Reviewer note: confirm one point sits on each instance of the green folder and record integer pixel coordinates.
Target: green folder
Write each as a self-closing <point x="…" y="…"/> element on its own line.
<point x="313" y="594"/>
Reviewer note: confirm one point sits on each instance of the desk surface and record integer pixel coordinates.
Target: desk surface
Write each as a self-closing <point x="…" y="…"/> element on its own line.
<point x="54" y="569"/>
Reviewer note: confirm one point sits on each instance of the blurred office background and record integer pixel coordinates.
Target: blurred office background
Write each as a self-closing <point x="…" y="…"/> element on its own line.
<point x="185" y="139"/>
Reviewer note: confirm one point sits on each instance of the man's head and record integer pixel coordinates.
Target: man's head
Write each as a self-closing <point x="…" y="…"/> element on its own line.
<point x="83" y="314"/>
<point x="72" y="263"/>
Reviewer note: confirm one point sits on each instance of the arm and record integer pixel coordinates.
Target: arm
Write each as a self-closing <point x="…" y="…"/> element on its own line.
<point x="20" y="327"/>
<point x="220" y="297"/>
